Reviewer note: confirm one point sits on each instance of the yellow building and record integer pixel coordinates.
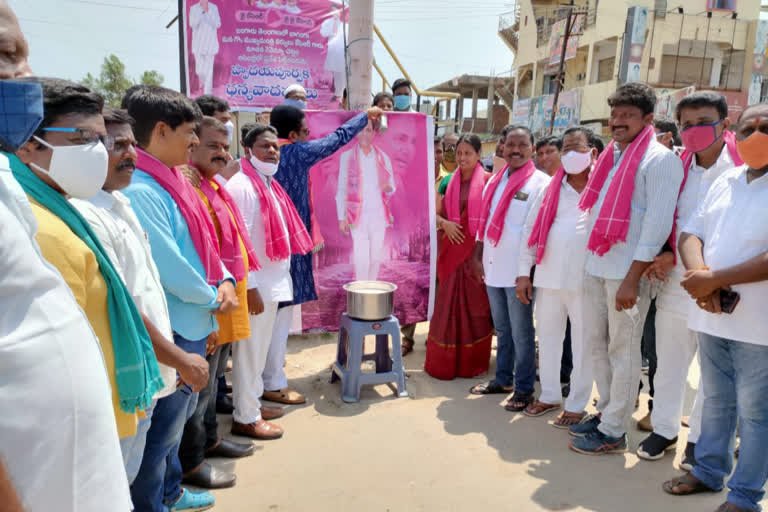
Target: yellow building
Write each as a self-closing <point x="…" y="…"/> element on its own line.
<point x="685" y="43"/>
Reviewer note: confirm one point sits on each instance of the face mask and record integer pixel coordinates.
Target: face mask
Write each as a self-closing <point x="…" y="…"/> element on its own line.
<point x="230" y="129"/>
<point x="754" y="150"/>
<point x="21" y="109"/>
<point x="265" y="168"/>
<point x="80" y="171"/>
<point x="300" y="104"/>
<point x="575" y="162"/>
<point x="700" y="137"/>
<point x="402" y="102"/>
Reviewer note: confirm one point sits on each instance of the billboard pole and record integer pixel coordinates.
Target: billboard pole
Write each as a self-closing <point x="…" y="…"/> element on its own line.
<point x="182" y="64"/>
<point x="561" y="68"/>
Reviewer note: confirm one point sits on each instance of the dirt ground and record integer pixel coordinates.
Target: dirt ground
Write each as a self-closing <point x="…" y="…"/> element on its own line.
<point x="440" y="449"/>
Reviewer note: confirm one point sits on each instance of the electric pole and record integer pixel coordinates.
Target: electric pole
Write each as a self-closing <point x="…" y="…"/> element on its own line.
<point x="570" y="21"/>
<point x="360" y="52"/>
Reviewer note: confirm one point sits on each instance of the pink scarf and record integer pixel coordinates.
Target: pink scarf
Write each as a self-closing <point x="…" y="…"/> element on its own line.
<point x="547" y="213"/>
<point x="355" y="186"/>
<point x="687" y="158"/>
<point x="612" y="222"/>
<point x="232" y="230"/>
<point x="475" y="202"/>
<point x="192" y="209"/>
<point x="277" y="243"/>
<point x="517" y="180"/>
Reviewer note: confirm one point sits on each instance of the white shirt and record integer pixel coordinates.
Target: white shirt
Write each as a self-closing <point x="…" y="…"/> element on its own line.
<point x="205" y="39"/>
<point x="372" y="207"/>
<point x="51" y="367"/>
<point x="657" y="184"/>
<point x="274" y="279"/>
<point x="672" y="296"/>
<point x="731" y="222"/>
<point x="500" y="262"/>
<point x="562" y="267"/>
<point x="127" y="246"/>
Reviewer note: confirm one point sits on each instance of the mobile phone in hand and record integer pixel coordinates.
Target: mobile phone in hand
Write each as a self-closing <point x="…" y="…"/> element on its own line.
<point x="728" y="301"/>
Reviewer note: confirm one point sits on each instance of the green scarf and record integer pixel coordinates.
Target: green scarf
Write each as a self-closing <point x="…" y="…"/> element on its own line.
<point x="136" y="371"/>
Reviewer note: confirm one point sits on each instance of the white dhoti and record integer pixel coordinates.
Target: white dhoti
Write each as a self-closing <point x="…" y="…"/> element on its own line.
<point x="204" y="70"/>
<point x="274" y="372"/>
<point x="368" y="247"/>
<point x="249" y="358"/>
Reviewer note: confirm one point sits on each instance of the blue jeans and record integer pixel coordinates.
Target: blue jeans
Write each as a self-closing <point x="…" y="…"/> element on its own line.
<point x="516" y="351"/>
<point x="158" y="483"/>
<point x="734" y="383"/>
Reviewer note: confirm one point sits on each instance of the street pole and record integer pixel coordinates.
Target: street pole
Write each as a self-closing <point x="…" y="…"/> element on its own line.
<point x="360" y="51"/>
<point x="561" y="68"/>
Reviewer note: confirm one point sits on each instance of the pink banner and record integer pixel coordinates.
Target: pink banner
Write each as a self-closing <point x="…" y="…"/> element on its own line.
<point x="249" y="51"/>
<point x="372" y="203"/>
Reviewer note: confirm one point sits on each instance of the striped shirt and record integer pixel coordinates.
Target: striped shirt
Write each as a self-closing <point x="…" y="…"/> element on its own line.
<point x="657" y="184"/>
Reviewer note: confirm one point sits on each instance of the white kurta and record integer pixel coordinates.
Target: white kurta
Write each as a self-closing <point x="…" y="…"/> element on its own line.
<point x="51" y="370"/>
<point x="368" y="235"/>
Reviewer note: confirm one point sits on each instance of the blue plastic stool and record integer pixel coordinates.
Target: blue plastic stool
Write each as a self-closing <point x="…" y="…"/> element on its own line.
<point x="349" y="356"/>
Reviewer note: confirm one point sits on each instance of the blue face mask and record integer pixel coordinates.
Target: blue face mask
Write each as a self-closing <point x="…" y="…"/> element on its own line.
<point x="300" y="104"/>
<point x="402" y="102"/>
<point x="21" y="112"/>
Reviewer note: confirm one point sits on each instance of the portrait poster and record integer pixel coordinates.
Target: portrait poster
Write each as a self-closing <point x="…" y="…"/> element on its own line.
<point x="249" y="51"/>
<point x="376" y="229"/>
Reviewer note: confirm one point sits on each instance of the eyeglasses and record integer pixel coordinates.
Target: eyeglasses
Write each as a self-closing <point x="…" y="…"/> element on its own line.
<point x="119" y="145"/>
<point x="86" y="136"/>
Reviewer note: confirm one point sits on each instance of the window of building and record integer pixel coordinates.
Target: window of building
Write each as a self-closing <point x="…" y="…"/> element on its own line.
<point x="605" y="69"/>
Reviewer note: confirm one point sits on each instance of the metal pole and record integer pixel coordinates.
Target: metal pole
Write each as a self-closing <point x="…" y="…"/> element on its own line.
<point x="561" y="69"/>
<point x="182" y="50"/>
<point x="677" y="55"/>
<point x="360" y="53"/>
<point x="706" y="41"/>
<point x="730" y="54"/>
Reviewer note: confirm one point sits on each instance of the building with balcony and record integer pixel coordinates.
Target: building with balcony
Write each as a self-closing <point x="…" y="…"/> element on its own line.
<point x="702" y="44"/>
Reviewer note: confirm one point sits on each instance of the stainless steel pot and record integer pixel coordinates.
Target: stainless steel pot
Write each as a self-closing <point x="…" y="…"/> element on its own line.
<point x="370" y="300"/>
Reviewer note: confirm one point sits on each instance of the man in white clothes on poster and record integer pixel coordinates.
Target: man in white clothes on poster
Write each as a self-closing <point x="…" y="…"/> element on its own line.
<point x="333" y="29"/>
<point x="205" y="22"/>
<point x="366" y="185"/>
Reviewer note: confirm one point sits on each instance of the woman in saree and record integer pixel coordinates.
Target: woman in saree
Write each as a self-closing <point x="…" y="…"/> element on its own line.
<point x="459" y="340"/>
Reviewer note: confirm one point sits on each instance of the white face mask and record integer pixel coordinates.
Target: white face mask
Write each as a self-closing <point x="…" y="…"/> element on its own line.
<point x="265" y="168"/>
<point x="230" y="129"/>
<point x="79" y="170"/>
<point x="575" y="162"/>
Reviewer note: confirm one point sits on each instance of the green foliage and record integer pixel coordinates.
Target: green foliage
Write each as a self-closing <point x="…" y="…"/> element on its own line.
<point x="112" y="81"/>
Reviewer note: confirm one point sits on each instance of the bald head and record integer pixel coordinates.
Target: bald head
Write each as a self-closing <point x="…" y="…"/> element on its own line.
<point x="14" y="50"/>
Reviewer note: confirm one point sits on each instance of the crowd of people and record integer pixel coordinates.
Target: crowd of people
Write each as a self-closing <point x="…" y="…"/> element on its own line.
<point x="139" y="257"/>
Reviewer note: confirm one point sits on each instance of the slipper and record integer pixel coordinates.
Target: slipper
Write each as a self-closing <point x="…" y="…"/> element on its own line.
<point x="524" y="399"/>
<point x="538" y="408"/>
<point x="565" y="419"/>
<point x="406" y="348"/>
<point x="284" y="396"/>
<point x="686" y="484"/>
<point x="489" y="388"/>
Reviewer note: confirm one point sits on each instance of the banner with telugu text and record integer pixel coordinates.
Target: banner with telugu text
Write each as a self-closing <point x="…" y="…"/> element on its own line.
<point x="249" y="51"/>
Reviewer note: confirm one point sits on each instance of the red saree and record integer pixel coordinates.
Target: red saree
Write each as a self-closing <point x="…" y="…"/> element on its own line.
<point x="460" y="332"/>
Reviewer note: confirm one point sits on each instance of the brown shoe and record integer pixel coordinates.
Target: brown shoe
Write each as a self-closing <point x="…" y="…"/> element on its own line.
<point x="730" y="507"/>
<point x="645" y="423"/>
<point x="258" y="430"/>
<point x="271" y="413"/>
<point x="284" y="396"/>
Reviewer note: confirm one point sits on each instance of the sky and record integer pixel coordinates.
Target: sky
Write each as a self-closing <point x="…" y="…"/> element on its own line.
<point x="434" y="39"/>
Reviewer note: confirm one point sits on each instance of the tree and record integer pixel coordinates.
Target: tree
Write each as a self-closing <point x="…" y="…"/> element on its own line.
<point x="112" y="81"/>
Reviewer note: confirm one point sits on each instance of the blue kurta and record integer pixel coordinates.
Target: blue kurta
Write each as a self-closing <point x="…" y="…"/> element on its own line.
<point x="293" y="174"/>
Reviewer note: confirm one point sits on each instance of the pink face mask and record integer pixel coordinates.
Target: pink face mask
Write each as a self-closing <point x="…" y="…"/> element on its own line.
<point x="699" y="137"/>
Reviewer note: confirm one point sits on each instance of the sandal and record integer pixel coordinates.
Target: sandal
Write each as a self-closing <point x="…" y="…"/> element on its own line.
<point x="489" y="388"/>
<point x="685" y="485"/>
<point x="565" y="419"/>
<point x="519" y="402"/>
<point x="538" y="408"/>
<point x="406" y="347"/>
<point x="284" y="396"/>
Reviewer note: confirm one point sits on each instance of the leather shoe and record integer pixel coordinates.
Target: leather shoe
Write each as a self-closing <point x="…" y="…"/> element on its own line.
<point x="224" y="405"/>
<point x="258" y="430"/>
<point x="208" y="477"/>
<point x="271" y="413"/>
<point x="230" y="449"/>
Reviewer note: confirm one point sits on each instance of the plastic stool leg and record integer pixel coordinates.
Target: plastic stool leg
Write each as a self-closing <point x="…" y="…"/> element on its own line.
<point x="351" y="382"/>
<point x="397" y="361"/>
